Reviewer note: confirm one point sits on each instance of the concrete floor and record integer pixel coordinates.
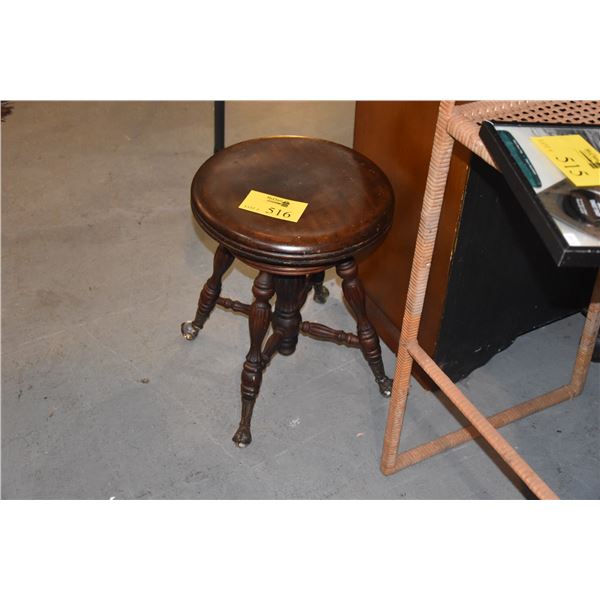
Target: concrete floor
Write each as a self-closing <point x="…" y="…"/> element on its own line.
<point x="102" y="397"/>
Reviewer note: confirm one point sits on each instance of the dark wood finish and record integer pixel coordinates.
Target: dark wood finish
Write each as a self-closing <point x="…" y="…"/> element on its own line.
<point x="350" y="205"/>
<point x="398" y="136"/>
<point x="328" y="334"/>
<point x="258" y="323"/>
<point x="210" y="293"/>
<point x="291" y="293"/>
<point x="350" y="201"/>
<point x="312" y="329"/>
<point x="369" y="341"/>
<point x="234" y="305"/>
<point x="320" y="291"/>
<point x="211" y="290"/>
<point x="271" y="346"/>
<point x="286" y="270"/>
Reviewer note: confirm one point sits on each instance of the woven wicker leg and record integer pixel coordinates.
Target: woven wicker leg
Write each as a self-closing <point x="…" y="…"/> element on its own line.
<point x="462" y="124"/>
<point x="430" y="215"/>
<point x="588" y="340"/>
<point x="466" y="434"/>
<point x="533" y="481"/>
<point x="514" y="413"/>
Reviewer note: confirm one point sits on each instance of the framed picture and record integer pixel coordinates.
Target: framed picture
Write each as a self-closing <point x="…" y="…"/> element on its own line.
<point x="557" y="182"/>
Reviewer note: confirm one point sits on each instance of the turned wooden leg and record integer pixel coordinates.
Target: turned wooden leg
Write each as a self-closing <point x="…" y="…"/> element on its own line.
<point x="209" y="294"/>
<point x="260" y="316"/>
<point x="369" y="340"/>
<point x="291" y="292"/>
<point x="320" y="291"/>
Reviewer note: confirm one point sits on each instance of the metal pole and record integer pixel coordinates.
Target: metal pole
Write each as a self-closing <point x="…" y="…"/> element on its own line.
<point x="219" y="125"/>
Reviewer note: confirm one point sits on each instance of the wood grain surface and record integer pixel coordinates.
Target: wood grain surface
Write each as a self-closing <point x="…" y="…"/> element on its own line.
<point x="350" y="200"/>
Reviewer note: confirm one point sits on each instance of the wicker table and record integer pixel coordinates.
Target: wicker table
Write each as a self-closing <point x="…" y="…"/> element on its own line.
<point x="462" y="123"/>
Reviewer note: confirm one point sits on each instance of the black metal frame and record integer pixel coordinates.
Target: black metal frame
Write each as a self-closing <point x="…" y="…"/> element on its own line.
<point x="219" y="125"/>
<point x="563" y="254"/>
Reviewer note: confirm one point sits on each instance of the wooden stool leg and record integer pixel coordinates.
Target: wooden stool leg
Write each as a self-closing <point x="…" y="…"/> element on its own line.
<point x="369" y="340"/>
<point x="260" y="316"/>
<point x="290" y="291"/>
<point x="321" y="292"/>
<point x="209" y="294"/>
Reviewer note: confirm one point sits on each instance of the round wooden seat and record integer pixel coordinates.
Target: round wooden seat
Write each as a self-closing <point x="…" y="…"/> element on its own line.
<point x="350" y="201"/>
<point x="349" y="209"/>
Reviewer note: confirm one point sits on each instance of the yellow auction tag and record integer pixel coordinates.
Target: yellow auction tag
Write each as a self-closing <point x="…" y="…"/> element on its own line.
<point x="273" y="206"/>
<point x="574" y="156"/>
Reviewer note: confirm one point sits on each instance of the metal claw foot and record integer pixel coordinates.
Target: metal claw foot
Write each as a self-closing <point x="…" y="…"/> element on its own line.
<point x="242" y="437"/>
<point x="385" y="386"/>
<point x="189" y="331"/>
<point x="320" y="294"/>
